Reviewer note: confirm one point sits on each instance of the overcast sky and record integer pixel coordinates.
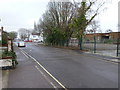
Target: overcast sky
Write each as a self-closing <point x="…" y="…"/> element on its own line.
<point x="15" y="14"/>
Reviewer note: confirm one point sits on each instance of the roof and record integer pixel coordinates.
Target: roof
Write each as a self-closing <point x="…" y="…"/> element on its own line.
<point x="101" y="33"/>
<point x="35" y="33"/>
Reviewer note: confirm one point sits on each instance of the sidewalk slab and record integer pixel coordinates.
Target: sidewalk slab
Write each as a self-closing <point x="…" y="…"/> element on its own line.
<point x="5" y="75"/>
<point x="0" y="79"/>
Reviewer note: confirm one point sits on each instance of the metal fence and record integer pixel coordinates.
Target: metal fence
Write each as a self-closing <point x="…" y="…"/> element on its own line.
<point x="104" y="46"/>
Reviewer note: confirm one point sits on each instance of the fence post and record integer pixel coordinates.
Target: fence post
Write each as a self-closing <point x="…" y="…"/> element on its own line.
<point x="118" y="47"/>
<point x="94" y="44"/>
<point x="80" y="42"/>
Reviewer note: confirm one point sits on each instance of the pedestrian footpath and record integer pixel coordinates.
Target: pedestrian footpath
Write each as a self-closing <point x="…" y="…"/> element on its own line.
<point x="0" y="79"/>
<point x="4" y="79"/>
<point x="106" y="55"/>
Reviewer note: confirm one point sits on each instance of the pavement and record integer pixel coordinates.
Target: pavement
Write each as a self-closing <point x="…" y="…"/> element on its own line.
<point x="4" y="78"/>
<point x="3" y="74"/>
<point x="108" y="50"/>
<point x="108" y="55"/>
<point x="0" y="79"/>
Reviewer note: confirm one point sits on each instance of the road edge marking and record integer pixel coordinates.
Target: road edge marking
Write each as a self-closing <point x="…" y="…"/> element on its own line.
<point x="24" y="54"/>
<point x="46" y="71"/>
<point x="45" y="77"/>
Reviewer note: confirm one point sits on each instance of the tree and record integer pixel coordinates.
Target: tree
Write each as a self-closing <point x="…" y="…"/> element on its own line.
<point x="85" y="15"/>
<point x="56" y="22"/>
<point x="4" y="38"/>
<point x="108" y="31"/>
<point x="37" y="28"/>
<point x="13" y="35"/>
<point x="64" y="19"/>
<point x="24" y="33"/>
<point x="93" y="27"/>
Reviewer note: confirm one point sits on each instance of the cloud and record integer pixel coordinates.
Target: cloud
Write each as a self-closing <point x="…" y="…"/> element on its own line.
<point x="15" y="14"/>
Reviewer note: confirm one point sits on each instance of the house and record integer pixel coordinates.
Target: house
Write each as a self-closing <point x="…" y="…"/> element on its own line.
<point x="36" y="37"/>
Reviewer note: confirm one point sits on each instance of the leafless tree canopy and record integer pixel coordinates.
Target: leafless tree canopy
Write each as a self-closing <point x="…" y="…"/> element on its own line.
<point x="24" y="33"/>
<point x="68" y="18"/>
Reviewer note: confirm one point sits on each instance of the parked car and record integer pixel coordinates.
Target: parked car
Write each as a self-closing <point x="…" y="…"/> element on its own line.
<point x="21" y="44"/>
<point x="35" y="41"/>
<point x="28" y="40"/>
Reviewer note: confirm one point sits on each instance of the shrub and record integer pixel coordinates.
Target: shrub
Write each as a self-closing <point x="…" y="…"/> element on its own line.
<point x="4" y="38"/>
<point x="0" y="41"/>
<point x="10" y="54"/>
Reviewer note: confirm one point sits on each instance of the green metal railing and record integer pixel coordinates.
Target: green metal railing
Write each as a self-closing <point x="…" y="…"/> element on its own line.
<point x="118" y="47"/>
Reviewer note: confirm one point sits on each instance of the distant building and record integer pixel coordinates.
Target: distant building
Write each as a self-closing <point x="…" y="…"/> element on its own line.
<point x="103" y="36"/>
<point x="36" y="37"/>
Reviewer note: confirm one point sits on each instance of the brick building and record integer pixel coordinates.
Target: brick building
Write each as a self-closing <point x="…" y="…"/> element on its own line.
<point x="103" y="36"/>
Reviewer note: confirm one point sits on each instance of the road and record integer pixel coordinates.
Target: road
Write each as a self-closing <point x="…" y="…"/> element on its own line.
<point x="73" y="69"/>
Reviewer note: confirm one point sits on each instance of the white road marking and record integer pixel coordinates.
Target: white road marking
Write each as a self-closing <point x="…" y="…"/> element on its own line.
<point x="46" y="71"/>
<point x="45" y="77"/>
<point x="24" y="54"/>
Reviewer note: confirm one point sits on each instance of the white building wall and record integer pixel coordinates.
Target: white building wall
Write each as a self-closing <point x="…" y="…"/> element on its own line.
<point x="36" y="37"/>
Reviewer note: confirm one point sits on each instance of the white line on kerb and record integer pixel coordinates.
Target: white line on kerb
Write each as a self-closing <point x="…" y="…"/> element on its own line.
<point x="46" y="70"/>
